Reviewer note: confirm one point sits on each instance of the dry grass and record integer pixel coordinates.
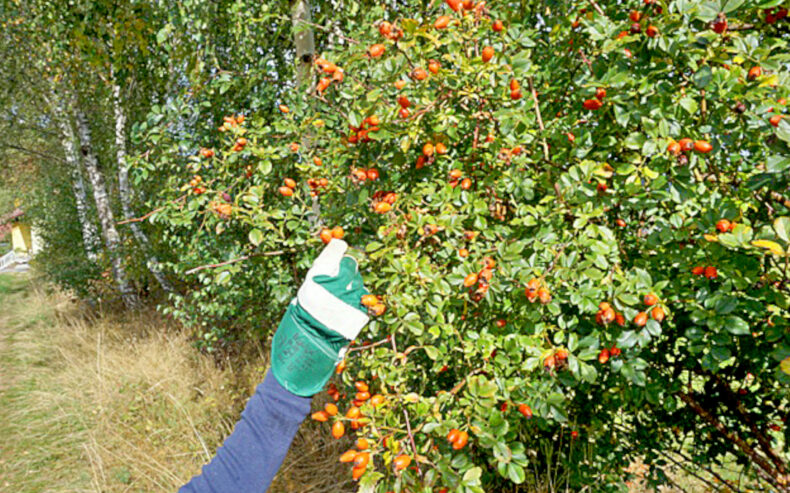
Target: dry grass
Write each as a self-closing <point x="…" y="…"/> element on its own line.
<point x="123" y="403"/>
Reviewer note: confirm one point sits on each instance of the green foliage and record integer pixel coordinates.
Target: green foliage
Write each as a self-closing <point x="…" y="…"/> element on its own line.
<point x="592" y="206"/>
<point x="51" y="209"/>
<point x="589" y="203"/>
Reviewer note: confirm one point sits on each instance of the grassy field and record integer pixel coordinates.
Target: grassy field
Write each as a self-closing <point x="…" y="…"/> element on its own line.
<point x="104" y="403"/>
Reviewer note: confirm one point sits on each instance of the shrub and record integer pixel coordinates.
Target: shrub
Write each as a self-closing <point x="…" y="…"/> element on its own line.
<point x="548" y="245"/>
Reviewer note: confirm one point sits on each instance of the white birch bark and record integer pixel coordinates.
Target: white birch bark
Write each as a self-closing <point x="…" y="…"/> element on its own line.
<point x="106" y="217"/>
<point x="304" y="45"/>
<point x="304" y="40"/>
<point x="125" y="192"/>
<point x="89" y="234"/>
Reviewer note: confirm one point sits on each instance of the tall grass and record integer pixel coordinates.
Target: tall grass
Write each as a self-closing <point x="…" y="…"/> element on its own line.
<point x="124" y="403"/>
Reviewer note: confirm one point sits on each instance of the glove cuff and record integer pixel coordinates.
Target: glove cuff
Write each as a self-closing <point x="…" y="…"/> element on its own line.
<point x="303" y="358"/>
<point x="329" y="310"/>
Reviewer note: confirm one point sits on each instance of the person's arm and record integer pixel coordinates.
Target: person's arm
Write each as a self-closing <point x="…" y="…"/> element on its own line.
<point x="326" y="315"/>
<point x="252" y="454"/>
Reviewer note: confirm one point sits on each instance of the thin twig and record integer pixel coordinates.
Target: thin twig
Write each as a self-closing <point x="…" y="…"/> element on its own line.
<point x="406" y="415"/>
<point x="540" y="119"/>
<point x="741" y="27"/>
<point x="368" y="346"/>
<point x="411" y="440"/>
<point x="597" y="8"/>
<point x="235" y="260"/>
<point x="764" y="442"/>
<point x="710" y="471"/>
<point x="326" y="30"/>
<point x="143" y="218"/>
<point x="586" y="60"/>
<point x="411" y="65"/>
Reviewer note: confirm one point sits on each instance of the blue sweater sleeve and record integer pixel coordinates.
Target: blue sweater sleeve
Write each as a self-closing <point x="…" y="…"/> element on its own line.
<point x="252" y="454"/>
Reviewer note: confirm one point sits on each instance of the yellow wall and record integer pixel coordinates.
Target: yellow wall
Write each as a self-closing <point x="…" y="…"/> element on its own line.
<point x="21" y="240"/>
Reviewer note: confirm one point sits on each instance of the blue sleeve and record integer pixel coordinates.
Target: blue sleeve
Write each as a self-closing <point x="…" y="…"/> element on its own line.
<point x="252" y="454"/>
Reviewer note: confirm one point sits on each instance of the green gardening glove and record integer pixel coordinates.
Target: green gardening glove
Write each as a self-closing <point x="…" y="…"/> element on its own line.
<point x="326" y="315"/>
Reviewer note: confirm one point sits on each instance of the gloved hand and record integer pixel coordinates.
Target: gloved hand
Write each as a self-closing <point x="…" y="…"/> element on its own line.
<point x="326" y="315"/>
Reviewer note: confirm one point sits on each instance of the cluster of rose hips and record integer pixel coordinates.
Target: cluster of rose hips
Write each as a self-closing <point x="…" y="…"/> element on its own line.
<point x="429" y="153"/>
<point x="360" y="456"/>
<point x="536" y="290"/>
<point x="374" y="304"/>
<point x="382" y="201"/>
<point x="710" y="271"/>
<point x="197" y="188"/>
<point x="593" y="104"/>
<point x="327" y="234"/>
<point x="230" y="122"/>
<point x="361" y="133"/>
<point x="456" y="179"/>
<point x="478" y="282"/>
<point x="657" y="312"/>
<point x="328" y="68"/>
<point x="361" y="175"/>
<point x="224" y="209"/>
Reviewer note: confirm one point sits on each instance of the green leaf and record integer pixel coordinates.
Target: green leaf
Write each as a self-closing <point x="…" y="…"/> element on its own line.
<point x="472" y="476"/>
<point x="635" y="140"/>
<point x="368" y="482"/>
<point x="777" y="164"/>
<point x="736" y="325"/>
<point x="516" y="473"/>
<point x="702" y="77"/>
<point x="502" y="452"/>
<point x="731" y="5"/>
<point x="432" y="352"/>
<point x="721" y="353"/>
<point x="689" y="104"/>
<point x="373" y="246"/>
<point x="521" y="61"/>
<point x="627" y="339"/>
<point x="354" y="119"/>
<point x="555" y="398"/>
<point x="653" y="327"/>
<point x="222" y="278"/>
<point x="708" y="10"/>
<point x="782" y="228"/>
<point x="783" y="130"/>
<point x="256" y="236"/>
<point x="628" y="299"/>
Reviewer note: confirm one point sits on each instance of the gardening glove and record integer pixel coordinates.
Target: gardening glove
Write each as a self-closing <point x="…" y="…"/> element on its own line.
<point x="326" y="315"/>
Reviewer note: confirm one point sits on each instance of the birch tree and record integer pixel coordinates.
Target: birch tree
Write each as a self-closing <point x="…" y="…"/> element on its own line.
<point x="88" y="228"/>
<point x="103" y="209"/>
<point x="125" y="192"/>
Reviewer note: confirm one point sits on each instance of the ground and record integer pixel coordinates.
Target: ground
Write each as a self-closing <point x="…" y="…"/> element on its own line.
<point x="98" y="403"/>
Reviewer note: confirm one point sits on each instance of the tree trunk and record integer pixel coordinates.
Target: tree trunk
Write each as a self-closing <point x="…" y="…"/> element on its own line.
<point x="89" y="233"/>
<point x="304" y="44"/>
<point x="304" y="41"/>
<point x="125" y="192"/>
<point x="111" y="238"/>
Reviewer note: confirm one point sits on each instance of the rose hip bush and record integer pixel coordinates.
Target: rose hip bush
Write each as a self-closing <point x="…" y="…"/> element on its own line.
<point x="575" y="217"/>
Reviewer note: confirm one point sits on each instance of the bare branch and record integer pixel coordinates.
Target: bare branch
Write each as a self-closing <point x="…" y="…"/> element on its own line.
<point x="236" y="260"/>
<point x="546" y="154"/>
